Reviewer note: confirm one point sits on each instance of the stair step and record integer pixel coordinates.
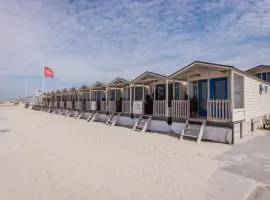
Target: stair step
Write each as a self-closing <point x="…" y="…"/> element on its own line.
<point x="191" y="136"/>
<point x="194" y="130"/>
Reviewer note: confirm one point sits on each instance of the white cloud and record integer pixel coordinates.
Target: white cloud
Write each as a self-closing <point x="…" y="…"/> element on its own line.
<point x="87" y="41"/>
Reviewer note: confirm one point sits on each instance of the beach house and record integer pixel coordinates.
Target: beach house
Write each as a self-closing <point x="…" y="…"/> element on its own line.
<point x="261" y="71"/>
<point x="201" y="100"/>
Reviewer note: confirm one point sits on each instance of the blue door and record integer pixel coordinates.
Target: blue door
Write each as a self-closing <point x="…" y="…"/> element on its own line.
<point x="219" y="88"/>
<point x="202" y="97"/>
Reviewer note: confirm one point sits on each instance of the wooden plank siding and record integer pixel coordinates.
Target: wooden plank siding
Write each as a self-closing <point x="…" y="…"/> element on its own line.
<point x="256" y="104"/>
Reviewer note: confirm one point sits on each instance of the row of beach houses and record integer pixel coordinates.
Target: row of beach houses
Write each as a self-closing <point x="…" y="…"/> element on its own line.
<point x="201" y="101"/>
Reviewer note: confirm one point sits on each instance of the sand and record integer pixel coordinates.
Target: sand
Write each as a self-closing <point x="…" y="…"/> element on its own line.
<point x="48" y="157"/>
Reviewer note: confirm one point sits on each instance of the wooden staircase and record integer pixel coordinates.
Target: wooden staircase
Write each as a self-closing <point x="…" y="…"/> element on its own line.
<point x="60" y="111"/>
<point x="142" y="123"/>
<point x="77" y="114"/>
<point x="193" y="129"/>
<point x="112" y="119"/>
<point x="68" y="113"/>
<point x="80" y="115"/>
<point x="92" y="116"/>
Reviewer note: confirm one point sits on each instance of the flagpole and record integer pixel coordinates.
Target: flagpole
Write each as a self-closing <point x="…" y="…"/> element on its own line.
<point x="26" y="89"/>
<point x="43" y="86"/>
<point x="26" y="92"/>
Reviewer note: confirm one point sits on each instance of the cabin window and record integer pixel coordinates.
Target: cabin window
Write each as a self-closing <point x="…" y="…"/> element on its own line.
<point x="98" y="96"/>
<point x="177" y="91"/>
<point x="126" y="94"/>
<point x="138" y="93"/>
<point x="112" y="95"/>
<point x="118" y="95"/>
<point x="218" y="88"/>
<point x="238" y="91"/>
<point x="193" y="89"/>
<point x="264" y="76"/>
<point x="103" y="96"/>
<point x="161" y="92"/>
<point x="268" y="76"/>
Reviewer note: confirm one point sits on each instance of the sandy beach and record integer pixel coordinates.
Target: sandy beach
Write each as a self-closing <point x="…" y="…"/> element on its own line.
<point x="44" y="157"/>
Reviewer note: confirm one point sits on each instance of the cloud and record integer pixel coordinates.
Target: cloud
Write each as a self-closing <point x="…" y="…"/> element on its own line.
<point x="85" y="41"/>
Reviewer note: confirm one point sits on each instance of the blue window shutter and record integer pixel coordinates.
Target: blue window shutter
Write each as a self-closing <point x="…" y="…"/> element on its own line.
<point x="264" y="76"/>
<point x="212" y="88"/>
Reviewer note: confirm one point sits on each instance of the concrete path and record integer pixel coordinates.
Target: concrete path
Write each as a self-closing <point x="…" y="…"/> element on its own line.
<point x="246" y="174"/>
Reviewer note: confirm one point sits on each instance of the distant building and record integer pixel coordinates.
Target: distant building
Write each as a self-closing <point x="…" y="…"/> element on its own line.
<point x="261" y="71"/>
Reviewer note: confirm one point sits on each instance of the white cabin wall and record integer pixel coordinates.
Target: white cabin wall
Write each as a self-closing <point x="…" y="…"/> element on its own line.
<point x="255" y="105"/>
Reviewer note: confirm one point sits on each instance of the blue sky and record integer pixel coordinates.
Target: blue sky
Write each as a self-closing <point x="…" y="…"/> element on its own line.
<point x="87" y="40"/>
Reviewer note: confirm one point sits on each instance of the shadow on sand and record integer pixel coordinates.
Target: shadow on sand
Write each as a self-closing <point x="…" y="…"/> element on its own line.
<point x="5" y="130"/>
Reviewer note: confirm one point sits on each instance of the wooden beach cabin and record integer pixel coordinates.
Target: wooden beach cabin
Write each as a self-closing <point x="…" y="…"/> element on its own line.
<point x="222" y="99"/>
<point x="82" y="102"/>
<point x="261" y="71"/>
<point x="63" y="102"/>
<point x="151" y="98"/>
<point x="118" y="94"/>
<point x="58" y="100"/>
<point x="46" y="101"/>
<point x="70" y="103"/>
<point x="98" y="103"/>
<point x="54" y="102"/>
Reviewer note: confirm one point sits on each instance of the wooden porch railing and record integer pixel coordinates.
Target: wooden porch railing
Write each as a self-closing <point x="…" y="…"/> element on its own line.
<point x="180" y="109"/>
<point x="219" y="110"/>
<point x="62" y="104"/>
<point x="78" y="105"/>
<point x="138" y="107"/>
<point x="159" y="108"/>
<point x="93" y="105"/>
<point x="69" y="104"/>
<point x="55" y="104"/>
<point x="88" y="105"/>
<point x="126" y="107"/>
<point x="112" y="106"/>
<point x="103" y="106"/>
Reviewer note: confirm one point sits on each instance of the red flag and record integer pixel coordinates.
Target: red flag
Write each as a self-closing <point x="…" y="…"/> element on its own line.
<point x="48" y="72"/>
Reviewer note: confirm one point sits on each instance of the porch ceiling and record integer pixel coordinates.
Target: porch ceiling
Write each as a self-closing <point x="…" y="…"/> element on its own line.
<point x="197" y="69"/>
<point x="119" y="82"/>
<point x="98" y="86"/>
<point x="258" y="69"/>
<point x="148" y="77"/>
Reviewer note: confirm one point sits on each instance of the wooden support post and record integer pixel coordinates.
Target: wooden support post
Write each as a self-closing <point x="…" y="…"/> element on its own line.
<point x="106" y="98"/>
<point x="167" y="98"/>
<point x="174" y="89"/>
<point x="154" y="90"/>
<point x="90" y="95"/>
<point x="134" y="93"/>
<point x="143" y="94"/>
<point x="130" y="98"/>
<point x="188" y="99"/>
<point x="232" y="95"/>
<point x="208" y="97"/>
